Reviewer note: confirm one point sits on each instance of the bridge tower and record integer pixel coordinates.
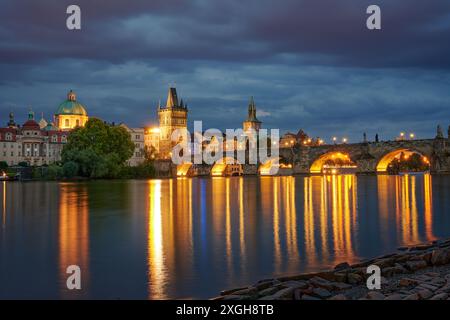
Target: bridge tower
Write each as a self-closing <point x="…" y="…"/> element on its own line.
<point x="171" y="117"/>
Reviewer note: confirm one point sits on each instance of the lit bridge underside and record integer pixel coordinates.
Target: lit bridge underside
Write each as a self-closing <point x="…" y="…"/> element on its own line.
<point x="183" y="169"/>
<point x="226" y="166"/>
<point x="318" y="165"/>
<point x="388" y="158"/>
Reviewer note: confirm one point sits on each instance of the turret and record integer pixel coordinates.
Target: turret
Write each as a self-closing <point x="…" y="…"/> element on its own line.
<point x="71" y="96"/>
<point x="30" y="114"/>
<point x="11" y="123"/>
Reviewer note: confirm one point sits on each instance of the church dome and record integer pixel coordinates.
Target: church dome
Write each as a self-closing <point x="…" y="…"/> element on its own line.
<point x="71" y="106"/>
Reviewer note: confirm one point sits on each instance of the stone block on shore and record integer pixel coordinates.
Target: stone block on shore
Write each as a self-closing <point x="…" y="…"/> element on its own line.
<point x="440" y="257"/>
<point x="416" y="265"/>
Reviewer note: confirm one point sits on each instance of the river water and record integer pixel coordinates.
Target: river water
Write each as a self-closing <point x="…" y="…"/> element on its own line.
<point x="190" y="238"/>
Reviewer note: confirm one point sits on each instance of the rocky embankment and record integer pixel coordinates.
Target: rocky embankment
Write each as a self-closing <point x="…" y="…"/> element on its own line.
<point x="420" y="272"/>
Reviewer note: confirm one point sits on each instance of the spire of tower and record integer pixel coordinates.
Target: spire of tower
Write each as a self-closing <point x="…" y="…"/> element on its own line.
<point x="172" y="98"/>
<point x="252" y="110"/>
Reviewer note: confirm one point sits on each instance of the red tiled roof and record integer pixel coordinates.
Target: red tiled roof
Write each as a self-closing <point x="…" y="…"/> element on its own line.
<point x="31" y="124"/>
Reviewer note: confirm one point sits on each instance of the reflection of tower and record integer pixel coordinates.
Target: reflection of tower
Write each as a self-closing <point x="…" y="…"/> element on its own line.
<point x="171" y="117"/>
<point x="252" y="123"/>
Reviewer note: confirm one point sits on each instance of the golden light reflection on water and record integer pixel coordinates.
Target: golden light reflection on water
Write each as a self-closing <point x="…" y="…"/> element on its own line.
<point x="276" y="226"/>
<point x="4" y="205"/>
<point x="330" y="204"/>
<point x="428" y="207"/>
<point x="242" y="222"/>
<point x="156" y="260"/>
<point x="194" y="234"/>
<point x="312" y="221"/>
<point x="73" y="233"/>
<point x="400" y="195"/>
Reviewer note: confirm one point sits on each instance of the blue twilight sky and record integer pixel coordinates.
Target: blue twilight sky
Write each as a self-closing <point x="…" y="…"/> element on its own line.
<point x="310" y="64"/>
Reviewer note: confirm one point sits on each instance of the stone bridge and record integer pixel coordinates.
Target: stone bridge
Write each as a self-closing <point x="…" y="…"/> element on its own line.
<point x="366" y="158"/>
<point x="369" y="157"/>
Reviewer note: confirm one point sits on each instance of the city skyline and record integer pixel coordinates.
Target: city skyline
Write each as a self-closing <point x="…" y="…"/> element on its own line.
<point x="154" y="122"/>
<point x="333" y="78"/>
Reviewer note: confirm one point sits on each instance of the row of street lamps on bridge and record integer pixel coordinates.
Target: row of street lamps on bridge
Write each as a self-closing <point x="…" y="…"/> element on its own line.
<point x="403" y="136"/>
<point x="309" y="141"/>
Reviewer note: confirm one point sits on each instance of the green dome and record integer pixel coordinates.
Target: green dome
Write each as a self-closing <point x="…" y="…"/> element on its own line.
<point x="71" y="106"/>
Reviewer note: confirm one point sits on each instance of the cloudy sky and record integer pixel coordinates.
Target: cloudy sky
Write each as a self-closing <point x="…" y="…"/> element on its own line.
<point x="310" y="64"/>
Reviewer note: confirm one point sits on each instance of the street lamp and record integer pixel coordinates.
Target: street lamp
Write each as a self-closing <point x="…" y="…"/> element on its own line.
<point x="344" y="140"/>
<point x="412" y="135"/>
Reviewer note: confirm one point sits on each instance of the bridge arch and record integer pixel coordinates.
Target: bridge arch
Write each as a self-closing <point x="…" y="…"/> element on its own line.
<point x="227" y="166"/>
<point x="387" y="158"/>
<point x="183" y="169"/>
<point x="270" y="167"/>
<point x="342" y="158"/>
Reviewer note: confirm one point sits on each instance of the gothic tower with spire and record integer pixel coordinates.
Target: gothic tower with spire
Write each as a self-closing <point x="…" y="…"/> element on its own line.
<point x="252" y="123"/>
<point x="171" y="117"/>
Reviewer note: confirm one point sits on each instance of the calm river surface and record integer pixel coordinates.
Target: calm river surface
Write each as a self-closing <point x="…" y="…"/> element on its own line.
<point x="191" y="238"/>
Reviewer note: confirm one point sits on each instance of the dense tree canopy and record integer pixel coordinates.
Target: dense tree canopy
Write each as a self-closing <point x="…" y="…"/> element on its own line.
<point x="97" y="150"/>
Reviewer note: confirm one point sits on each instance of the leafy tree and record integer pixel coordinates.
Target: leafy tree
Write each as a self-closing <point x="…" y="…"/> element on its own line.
<point x="3" y="165"/>
<point x="70" y="169"/>
<point x="54" y="172"/>
<point x="100" y="150"/>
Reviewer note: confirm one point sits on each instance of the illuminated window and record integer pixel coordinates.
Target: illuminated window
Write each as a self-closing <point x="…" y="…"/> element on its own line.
<point x="67" y="122"/>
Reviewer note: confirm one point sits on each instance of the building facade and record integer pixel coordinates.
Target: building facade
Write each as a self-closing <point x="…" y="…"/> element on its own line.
<point x="30" y="143"/>
<point x="41" y="143"/>
<point x="138" y="138"/>
<point x="151" y="139"/>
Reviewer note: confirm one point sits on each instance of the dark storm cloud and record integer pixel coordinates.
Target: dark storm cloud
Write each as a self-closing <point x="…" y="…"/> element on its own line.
<point x="309" y="63"/>
<point x="319" y="32"/>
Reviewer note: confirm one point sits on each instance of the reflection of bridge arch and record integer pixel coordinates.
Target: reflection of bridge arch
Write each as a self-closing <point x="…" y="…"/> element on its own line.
<point x="227" y="166"/>
<point x="387" y="158"/>
<point x="318" y="164"/>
